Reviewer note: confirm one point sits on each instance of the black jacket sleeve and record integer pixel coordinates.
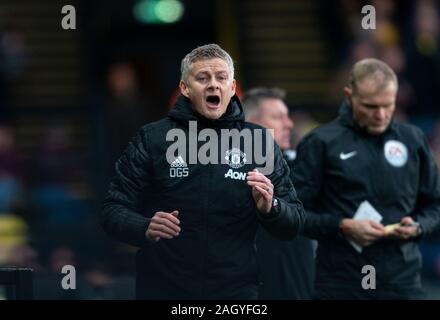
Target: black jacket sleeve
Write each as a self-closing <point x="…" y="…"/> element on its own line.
<point x="427" y="211"/>
<point x="288" y="221"/>
<point x="307" y="177"/>
<point x="118" y="214"/>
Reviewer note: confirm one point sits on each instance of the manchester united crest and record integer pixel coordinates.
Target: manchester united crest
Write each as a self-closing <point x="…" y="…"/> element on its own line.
<point x="236" y="158"/>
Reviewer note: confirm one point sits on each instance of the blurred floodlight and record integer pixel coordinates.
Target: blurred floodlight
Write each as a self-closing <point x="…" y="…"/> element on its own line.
<point x="158" y="11"/>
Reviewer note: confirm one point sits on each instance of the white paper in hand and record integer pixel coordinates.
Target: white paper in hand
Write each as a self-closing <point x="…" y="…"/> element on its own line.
<point x="365" y="212"/>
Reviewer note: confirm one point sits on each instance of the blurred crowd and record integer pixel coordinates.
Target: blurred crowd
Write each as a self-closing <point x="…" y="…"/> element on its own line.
<point x="407" y="38"/>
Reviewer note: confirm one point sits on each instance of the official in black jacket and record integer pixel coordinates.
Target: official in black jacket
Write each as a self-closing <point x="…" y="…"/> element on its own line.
<point x="286" y="268"/>
<point x="195" y="223"/>
<point x="364" y="155"/>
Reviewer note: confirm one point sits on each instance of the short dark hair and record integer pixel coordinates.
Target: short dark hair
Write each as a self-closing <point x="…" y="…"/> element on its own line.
<point x="252" y="98"/>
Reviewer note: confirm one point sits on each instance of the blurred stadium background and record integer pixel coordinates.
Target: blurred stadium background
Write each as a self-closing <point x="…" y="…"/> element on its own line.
<point x="70" y="100"/>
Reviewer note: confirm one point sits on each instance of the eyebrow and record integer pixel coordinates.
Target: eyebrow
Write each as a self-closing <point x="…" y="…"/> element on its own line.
<point x="370" y="104"/>
<point x="373" y="105"/>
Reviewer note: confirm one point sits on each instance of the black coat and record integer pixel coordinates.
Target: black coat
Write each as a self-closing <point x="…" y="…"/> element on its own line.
<point x="286" y="268"/>
<point x="214" y="256"/>
<point x="337" y="167"/>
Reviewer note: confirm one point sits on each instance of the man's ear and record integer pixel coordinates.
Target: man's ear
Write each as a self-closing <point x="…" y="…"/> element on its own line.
<point x="184" y="89"/>
<point x="348" y="92"/>
<point x="234" y="85"/>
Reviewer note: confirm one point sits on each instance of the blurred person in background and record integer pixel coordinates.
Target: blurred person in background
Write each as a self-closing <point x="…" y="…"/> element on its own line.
<point x="196" y="231"/>
<point x="10" y="184"/>
<point x="365" y="155"/>
<point x="59" y="191"/>
<point x="125" y="106"/>
<point x="286" y="267"/>
<point x="15" y="249"/>
<point x="423" y="60"/>
<point x="13" y="62"/>
<point x="59" y="197"/>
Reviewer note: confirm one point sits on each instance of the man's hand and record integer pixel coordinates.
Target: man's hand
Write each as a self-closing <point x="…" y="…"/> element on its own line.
<point x="163" y="225"/>
<point x="363" y="232"/>
<point x="262" y="190"/>
<point x="406" y="230"/>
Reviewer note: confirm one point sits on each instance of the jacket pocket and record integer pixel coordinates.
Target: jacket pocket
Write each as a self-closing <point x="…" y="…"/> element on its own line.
<point x="411" y="253"/>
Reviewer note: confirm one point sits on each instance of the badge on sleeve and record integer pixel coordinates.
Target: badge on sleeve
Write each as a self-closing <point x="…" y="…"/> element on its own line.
<point x="396" y="153"/>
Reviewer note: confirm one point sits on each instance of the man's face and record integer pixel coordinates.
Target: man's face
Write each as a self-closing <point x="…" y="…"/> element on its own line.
<point x="274" y="114"/>
<point x="209" y="87"/>
<point x="373" y="107"/>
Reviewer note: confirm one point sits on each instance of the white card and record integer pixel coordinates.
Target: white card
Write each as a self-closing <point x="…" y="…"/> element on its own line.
<point x="365" y="212"/>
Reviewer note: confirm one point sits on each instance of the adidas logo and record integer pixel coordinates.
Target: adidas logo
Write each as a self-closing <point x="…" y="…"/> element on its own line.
<point x="178" y="163"/>
<point x="178" y="168"/>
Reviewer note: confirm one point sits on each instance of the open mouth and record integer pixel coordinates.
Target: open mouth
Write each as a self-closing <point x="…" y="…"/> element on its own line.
<point x="213" y="101"/>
